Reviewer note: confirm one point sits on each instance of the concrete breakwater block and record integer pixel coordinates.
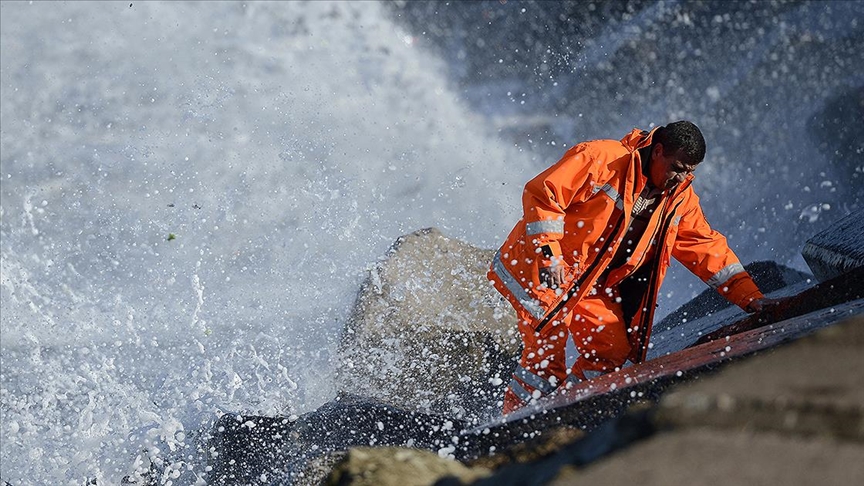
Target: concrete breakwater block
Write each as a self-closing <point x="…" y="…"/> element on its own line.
<point x="838" y="249"/>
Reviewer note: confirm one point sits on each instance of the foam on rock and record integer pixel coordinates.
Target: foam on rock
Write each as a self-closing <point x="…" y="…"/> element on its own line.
<point x="428" y="332"/>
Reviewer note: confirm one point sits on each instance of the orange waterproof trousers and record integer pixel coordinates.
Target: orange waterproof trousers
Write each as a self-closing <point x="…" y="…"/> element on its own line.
<point x="599" y="333"/>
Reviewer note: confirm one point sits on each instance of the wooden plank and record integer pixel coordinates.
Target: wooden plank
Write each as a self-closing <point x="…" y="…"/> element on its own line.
<point x="693" y="358"/>
<point x="844" y="288"/>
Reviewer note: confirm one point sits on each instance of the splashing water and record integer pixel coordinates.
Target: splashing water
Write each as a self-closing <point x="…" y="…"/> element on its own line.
<point x="191" y="193"/>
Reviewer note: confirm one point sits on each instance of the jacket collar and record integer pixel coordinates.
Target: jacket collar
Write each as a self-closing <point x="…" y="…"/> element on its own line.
<point x="638" y="138"/>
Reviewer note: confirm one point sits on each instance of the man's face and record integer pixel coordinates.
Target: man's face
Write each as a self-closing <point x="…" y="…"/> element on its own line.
<point x="667" y="170"/>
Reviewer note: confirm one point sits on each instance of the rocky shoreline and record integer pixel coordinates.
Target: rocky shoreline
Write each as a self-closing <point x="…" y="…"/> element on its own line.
<point x="429" y="345"/>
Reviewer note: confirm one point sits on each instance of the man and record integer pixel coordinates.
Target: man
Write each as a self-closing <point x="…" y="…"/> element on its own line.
<point x="592" y="248"/>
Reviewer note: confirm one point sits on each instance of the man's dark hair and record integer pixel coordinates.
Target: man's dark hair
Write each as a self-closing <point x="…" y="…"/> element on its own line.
<point x="684" y="136"/>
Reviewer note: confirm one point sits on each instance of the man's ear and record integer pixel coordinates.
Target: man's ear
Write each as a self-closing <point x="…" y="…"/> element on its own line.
<point x="657" y="151"/>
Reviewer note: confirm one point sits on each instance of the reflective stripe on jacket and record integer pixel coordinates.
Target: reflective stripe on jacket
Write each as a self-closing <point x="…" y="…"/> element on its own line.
<point x="579" y="209"/>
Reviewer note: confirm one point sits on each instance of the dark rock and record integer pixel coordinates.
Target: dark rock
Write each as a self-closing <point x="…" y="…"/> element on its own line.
<point x="273" y="450"/>
<point x="843" y="288"/>
<point x="543" y="445"/>
<point x="838" y="249"/>
<point x="609" y="437"/>
<point x="731" y="320"/>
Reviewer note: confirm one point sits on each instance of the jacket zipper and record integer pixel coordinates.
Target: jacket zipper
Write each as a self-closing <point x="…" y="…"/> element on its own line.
<point x="653" y="234"/>
<point x="665" y="224"/>
<point x="671" y="197"/>
<point x="652" y="289"/>
<point x="578" y="284"/>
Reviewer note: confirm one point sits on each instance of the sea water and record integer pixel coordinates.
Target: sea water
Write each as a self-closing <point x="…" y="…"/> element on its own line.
<point x="193" y="192"/>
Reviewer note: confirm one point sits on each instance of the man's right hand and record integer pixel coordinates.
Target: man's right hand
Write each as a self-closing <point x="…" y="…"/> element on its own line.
<point x="552" y="276"/>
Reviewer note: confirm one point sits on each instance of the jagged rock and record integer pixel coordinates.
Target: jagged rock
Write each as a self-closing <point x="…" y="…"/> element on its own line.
<point x="838" y="249"/>
<point x="428" y="332"/>
<point x="844" y="289"/>
<point x="392" y="466"/>
<point x="769" y="276"/>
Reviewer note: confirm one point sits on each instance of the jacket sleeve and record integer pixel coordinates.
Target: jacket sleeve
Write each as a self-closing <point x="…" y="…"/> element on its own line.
<point x="706" y="253"/>
<point x="547" y="196"/>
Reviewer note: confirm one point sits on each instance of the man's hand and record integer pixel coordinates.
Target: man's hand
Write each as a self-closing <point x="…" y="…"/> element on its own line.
<point x="552" y="276"/>
<point x="763" y="304"/>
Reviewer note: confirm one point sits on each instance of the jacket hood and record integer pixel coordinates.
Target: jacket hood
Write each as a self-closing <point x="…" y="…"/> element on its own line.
<point x="638" y="138"/>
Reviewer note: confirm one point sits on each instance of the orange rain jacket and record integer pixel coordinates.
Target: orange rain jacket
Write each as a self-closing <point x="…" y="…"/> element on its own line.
<point x="580" y="208"/>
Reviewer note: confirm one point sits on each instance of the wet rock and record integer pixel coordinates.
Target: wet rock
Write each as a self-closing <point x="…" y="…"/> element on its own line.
<point x="838" y="249"/>
<point x="244" y="449"/>
<point x="846" y="288"/>
<point x="390" y="466"/>
<point x="613" y="435"/>
<point x="428" y="332"/>
<point x="545" y="444"/>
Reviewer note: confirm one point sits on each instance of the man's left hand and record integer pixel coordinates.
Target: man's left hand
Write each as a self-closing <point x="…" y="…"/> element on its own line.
<point x="762" y="305"/>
